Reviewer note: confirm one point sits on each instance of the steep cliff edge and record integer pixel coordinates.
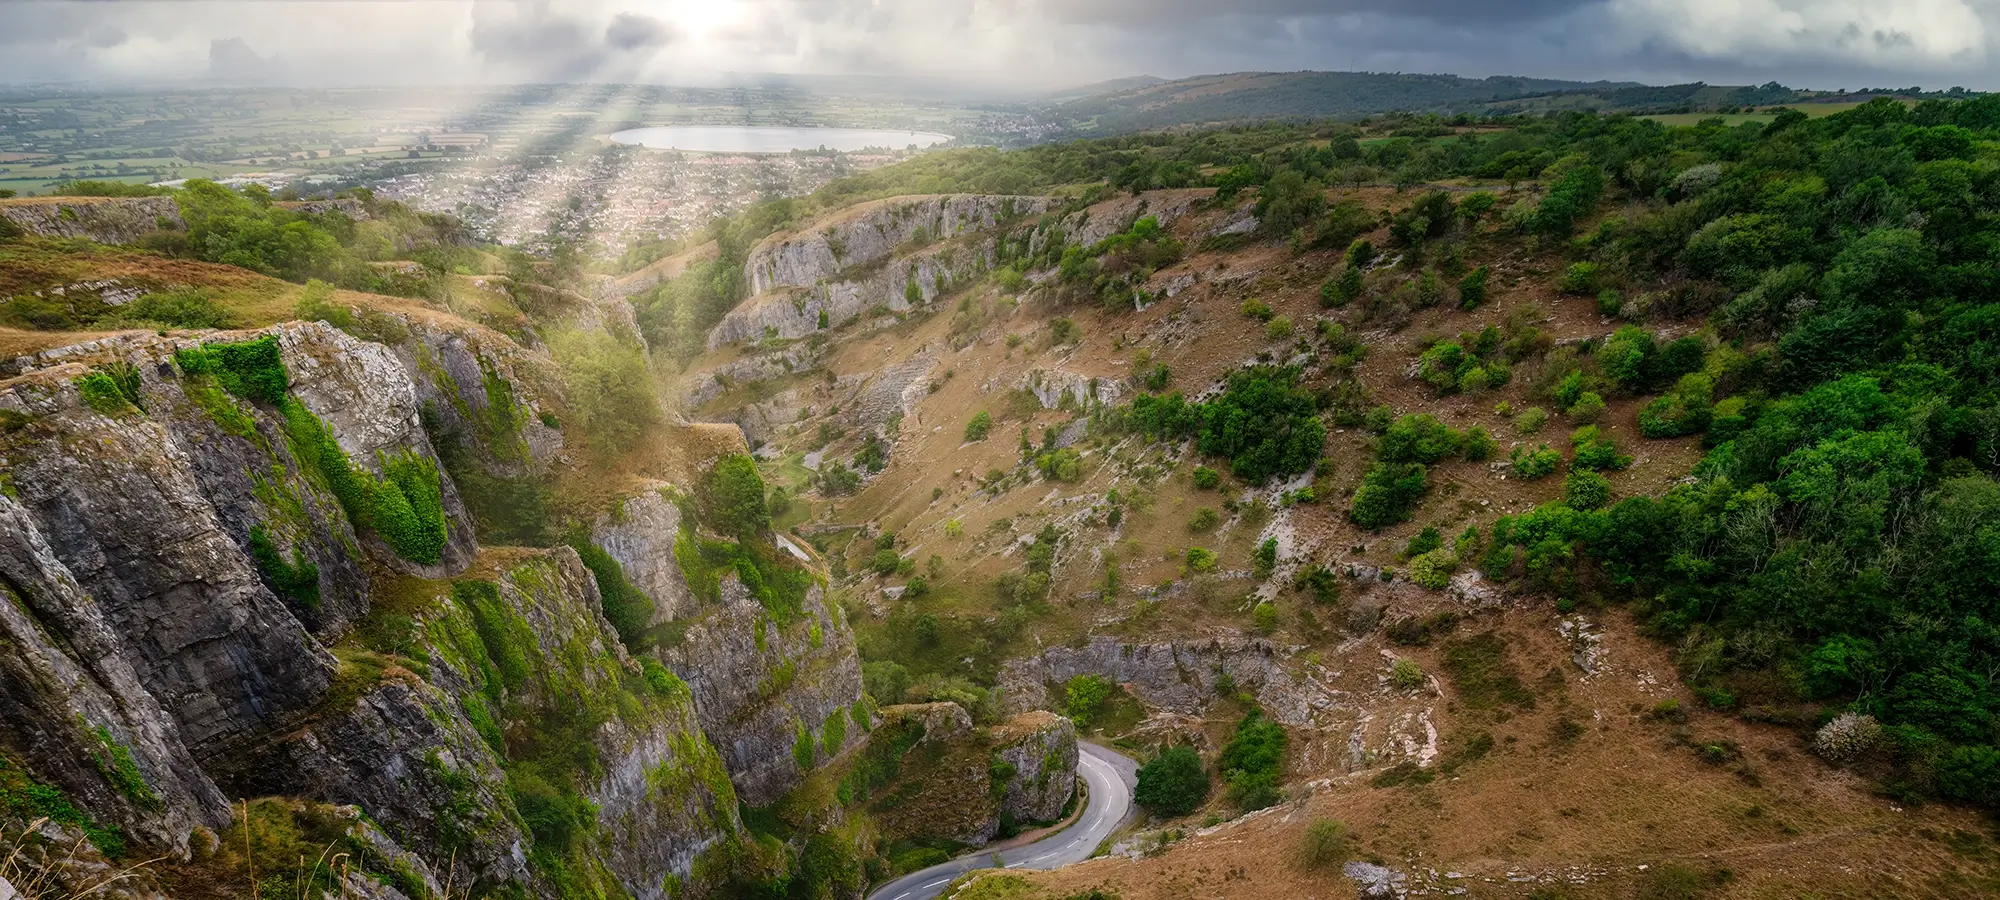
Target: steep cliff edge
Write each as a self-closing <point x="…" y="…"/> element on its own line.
<point x="106" y="220"/>
<point x="239" y="564"/>
<point x="894" y="253"/>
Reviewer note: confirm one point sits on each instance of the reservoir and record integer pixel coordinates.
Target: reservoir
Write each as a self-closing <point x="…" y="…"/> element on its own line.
<point x="772" y="138"/>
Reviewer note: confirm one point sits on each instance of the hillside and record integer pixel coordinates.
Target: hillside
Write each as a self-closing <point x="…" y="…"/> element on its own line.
<point x="1459" y="589"/>
<point x="1609" y="511"/>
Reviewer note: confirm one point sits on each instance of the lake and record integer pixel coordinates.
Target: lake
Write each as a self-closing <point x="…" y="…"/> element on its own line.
<point x="771" y="138"/>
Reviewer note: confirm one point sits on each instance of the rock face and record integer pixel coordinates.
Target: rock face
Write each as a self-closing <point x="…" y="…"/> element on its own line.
<point x="1179" y="677"/>
<point x="770" y="692"/>
<point x="970" y="784"/>
<point x="881" y="254"/>
<point x="179" y="558"/>
<point x="1086" y="227"/>
<point x="872" y="232"/>
<point x="640" y="534"/>
<point x="1056" y="388"/>
<point x="106" y="220"/>
<point x="1041" y="748"/>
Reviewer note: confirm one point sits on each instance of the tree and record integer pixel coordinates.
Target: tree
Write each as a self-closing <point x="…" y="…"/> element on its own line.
<point x="735" y="497"/>
<point x="1173" y="783"/>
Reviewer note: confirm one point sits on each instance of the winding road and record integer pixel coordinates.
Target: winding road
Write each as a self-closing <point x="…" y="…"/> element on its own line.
<point x="1111" y="777"/>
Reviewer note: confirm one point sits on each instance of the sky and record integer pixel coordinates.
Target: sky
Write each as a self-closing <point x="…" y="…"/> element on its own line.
<point x="1013" y="46"/>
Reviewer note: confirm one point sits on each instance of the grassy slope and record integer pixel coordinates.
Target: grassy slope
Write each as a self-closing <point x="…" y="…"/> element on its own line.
<point x="1624" y="790"/>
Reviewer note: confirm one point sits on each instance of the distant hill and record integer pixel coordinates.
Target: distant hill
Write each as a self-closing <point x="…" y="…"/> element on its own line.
<point x="1113" y="86"/>
<point x="1264" y="96"/>
<point x="1249" y="96"/>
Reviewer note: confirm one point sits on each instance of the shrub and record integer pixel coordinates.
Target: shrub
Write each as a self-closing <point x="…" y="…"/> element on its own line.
<point x="178" y="308"/>
<point x="1083" y="696"/>
<point x="1265" y="616"/>
<point x="1537" y="463"/>
<point x="1419" y="438"/>
<point x="1594" y="452"/>
<point x="1531" y="420"/>
<point x="1472" y="289"/>
<point x="1589" y="406"/>
<point x="1202" y="560"/>
<point x="1480" y="445"/>
<point x="1252" y="762"/>
<point x="1388" y="493"/>
<point x="980" y="426"/>
<point x="1579" y="278"/>
<point x="626" y="607"/>
<point x="297" y="580"/>
<point x="733" y="497"/>
<point x="1406" y="674"/>
<point x="1847" y="737"/>
<point x="1265" y="559"/>
<point x="1423" y="542"/>
<point x="1205" y="519"/>
<point x="1586" y="490"/>
<point x="610" y="389"/>
<point x="1325" y="845"/>
<point x="1342" y="290"/>
<point x="1433" y="569"/>
<point x="1278" y="327"/>
<point x="1173" y="783"/>
<point x="1257" y="309"/>
<point x="885" y="562"/>
<point x="1320" y="583"/>
<point x="1206" y="478"/>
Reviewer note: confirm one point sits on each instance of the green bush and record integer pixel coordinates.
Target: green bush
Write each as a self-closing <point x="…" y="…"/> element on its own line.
<point x="1433" y="569"/>
<point x="1173" y="783"/>
<point x="404" y="507"/>
<point x="1388" y="494"/>
<point x="1083" y="696"/>
<point x="733" y="497"/>
<point x="1206" y="478"/>
<point x="1480" y="445"/>
<point x="1326" y="844"/>
<point x="979" y="427"/>
<point x="1587" y="408"/>
<point x="1472" y="289"/>
<point x="1586" y="490"/>
<point x="299" y="581"/>
<point x="1252" y="762"/>
<point x="178" y="308"/>
<point x="1419" y="438"/>
<point x="1406" y="674"/>
<point x="609" y="388"/>
<point x="1265" y="559"/>
<point x="1537" y="463"/>
<point x="885" y="562"/>
<point x="1204" y="520"/>
<point x="1201" y="560"/>
<point x="625" y="606"/>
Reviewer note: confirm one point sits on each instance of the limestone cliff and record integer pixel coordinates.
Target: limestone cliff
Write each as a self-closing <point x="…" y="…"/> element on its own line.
<point x="106" y="220"/>
<point x="894" y="254"/>
<point x="237" y="564"/>
<point x="971" y="784"/>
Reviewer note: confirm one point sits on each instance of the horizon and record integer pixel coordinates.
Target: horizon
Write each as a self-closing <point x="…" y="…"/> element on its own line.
<point x="1026" y="47"/>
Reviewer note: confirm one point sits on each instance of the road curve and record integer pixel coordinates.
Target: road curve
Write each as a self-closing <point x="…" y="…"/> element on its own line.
<point x="1111" y="777"/>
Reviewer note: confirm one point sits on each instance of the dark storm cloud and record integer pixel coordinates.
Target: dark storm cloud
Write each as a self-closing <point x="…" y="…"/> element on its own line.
<point x="106" y="37"/>
<point x="632" y="31"/>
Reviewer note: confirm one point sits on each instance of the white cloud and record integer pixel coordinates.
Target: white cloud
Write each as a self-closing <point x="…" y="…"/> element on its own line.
<point x="1881" y="34"/>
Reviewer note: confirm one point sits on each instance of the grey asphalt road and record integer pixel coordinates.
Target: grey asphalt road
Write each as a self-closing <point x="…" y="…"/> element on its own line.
<point x="1111" y="776"/>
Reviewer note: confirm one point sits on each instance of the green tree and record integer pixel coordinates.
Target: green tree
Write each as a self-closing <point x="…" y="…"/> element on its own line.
<point x="1173" y="783"/>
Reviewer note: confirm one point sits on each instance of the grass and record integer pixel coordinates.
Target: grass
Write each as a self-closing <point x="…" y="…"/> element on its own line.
<point x="1483" y="674"/>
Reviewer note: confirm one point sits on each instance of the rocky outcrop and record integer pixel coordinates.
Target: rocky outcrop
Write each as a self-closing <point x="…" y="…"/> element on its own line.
<point x="1056" y="388"/>
<point x="769" y="689"/>
<point x="106" y="220"/>
<point x="640" y="533"/>
<point x="971" y="784"/>
<point x="1086" y="227"/>
<point x="345" y="206"/>
<point x="1040" y="747"/>
<point x="701" y="388"/>
<point x="896" y="284"/>
<point x="1179" y="677"/>
<point x="873" y="231"/>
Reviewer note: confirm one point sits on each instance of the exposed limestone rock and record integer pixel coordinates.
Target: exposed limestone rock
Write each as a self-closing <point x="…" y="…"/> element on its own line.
<point x="1041" y="746"/>
<point x="1087" y="227"/>
<point x="345" y="206"/>
<point x="65" y="675"/>
<point x="790" y="312"/>
<point x="1376" y="882"/>
<point x="872" y="232"/>
<point x="1057" y="387"/>
<point x="641" y="536"/>
<point x="1179" y="677"/>
<point x="759" y="684"/>
<point x="697" y="390"/>
<point x="120" y="504"/>
<point x="106" y="220"/>
<point x="406" y="753"/>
